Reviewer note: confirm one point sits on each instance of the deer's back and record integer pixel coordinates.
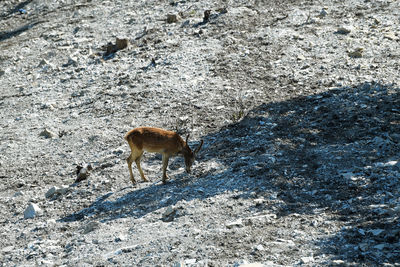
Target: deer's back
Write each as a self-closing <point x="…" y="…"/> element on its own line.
<point x="155" y="139"/>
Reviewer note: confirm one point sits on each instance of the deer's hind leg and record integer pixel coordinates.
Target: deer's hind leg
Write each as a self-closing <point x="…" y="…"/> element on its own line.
<point x="136" y="155"/>
<point x="129" y="160"/>
<point x="137" y="160"/>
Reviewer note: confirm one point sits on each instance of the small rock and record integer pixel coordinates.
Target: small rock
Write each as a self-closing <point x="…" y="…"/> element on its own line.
<point x="178" y="264"/>
<point x="18" y="194"/>
<point x="82" y="173"/>
<point x="169" y="211"/>
<point x="260" y="247"/>
<point x="267" y="218"/>
<point x="391" y="36"/>
<point x="56" y="191"/>
<point x="296" y="36"/>
<point x="121" y="43"/>
<point x="376" y="232"/>
<point x="344" y="30"/>
<point x="301" y="57"/>
<point x="253" y="264"/>
<point x="363" y="246"/>
<point x="306" y="260"/>
<point x="206" y="17"/>
<point x="110" y="49"/>
<point x="380" y="246"/>
<point x="235" y="224"/>
<point x="47" y="263"/>
<point x="42" y="63"/>
<point x="323" y="13"/>
<point x="172" y="18"/>
<point x="72" y="61"/>
<point x="120" y="238"/>
<point x="169" y="215"/>
<point x="50" y="106"/>
<point x="356" y="53"/>
<point x="46" y="133"/>
<point x="63" y="190"/>
<point x="91" y="226"/>
<point x="259" y="201"/>
<point x="347" y="175"/>
<point x="190" y="261"/>
<point x="32" y="211"/>
<point x="338" y="262"/>
<point x="51" y="192"/>
<point x="8" y="249"/>
<point x="222" y="10"/>
<point x="387" y="164"/>
<point x="51" y="222"/>
<point x="20" y="183"/>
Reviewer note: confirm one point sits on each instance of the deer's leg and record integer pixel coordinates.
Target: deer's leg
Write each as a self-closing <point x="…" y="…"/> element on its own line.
<point x="129" y="160"/>
<point x="165" y="159"/>
<point x="137" y="160"/>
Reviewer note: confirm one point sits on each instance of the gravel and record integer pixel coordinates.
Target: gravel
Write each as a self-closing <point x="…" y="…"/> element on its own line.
<point x="297" y="103"/>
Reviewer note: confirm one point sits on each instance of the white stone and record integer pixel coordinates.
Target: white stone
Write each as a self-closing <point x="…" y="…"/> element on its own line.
<point x="306" y="260"/>
<point x="8" y="249"/>
<point x="32" y="211"/>
<point x="190" y="261"/>
<point x="51" y="222"/>
<point x="260" y="247"/>
<point x="238" y="223"/>
<point x="56" y="191"/>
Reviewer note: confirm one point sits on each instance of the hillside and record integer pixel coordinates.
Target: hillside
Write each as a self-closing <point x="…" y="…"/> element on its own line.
<point x="298" y="104"/>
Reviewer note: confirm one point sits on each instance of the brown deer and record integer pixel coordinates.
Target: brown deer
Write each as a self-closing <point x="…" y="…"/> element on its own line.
<point x="161" y="141"/>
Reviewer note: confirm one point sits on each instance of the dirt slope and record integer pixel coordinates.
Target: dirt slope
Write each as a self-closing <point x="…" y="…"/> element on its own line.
<point x="297" y="103"/>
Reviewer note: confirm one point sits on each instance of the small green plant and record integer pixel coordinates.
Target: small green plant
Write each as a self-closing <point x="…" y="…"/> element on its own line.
<point x="239" y="112"/>
<point x="237" y="115"/>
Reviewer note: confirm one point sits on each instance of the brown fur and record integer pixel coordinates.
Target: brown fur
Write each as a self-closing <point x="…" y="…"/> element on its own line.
<point x="157" y="140"/>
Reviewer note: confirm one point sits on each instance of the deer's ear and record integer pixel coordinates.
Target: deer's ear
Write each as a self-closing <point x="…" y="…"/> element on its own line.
<point x="199" y="147"/>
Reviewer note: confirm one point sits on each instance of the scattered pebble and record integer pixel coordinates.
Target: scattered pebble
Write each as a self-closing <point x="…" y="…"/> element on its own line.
<point x="235" y="224"/>
<point x="32" y="211"/>
<point x="172" y="18"/>
<point x="285" y="105"/>
<point x="90" y="227"/>
<point x="356" y="53"/>
<point x="344" y="30"/>
<point x="169" y="214"/>
<point x="46" y="133"/>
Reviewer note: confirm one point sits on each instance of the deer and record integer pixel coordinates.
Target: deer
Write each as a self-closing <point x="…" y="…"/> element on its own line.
<point x="156" y="140"/>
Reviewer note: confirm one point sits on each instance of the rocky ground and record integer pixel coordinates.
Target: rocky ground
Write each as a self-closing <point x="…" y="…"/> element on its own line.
<point x="298" y="104"/>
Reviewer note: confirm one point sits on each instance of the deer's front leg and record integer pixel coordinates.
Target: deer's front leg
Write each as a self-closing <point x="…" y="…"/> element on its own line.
<point x="165" y="158"/>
